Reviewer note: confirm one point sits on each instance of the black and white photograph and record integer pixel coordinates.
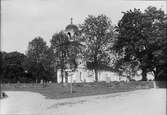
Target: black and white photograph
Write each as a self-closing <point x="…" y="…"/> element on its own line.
<point x="83" y="57"/>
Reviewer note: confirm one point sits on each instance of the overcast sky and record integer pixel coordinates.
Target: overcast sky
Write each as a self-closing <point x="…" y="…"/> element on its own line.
<point x="23" y="20"/>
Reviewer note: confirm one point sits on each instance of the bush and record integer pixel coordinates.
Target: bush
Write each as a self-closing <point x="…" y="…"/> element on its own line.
<point x="3" y="95"/>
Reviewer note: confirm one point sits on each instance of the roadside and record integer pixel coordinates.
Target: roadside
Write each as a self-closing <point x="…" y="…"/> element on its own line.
<point x="58" y="91"/>
<point x="139" y="102"/>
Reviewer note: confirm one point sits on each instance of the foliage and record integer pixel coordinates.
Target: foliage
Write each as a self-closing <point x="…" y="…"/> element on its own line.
<point x="97" y="33"/>
<point x="13" y="74"/>
<point x="139" y="42"/>
<point x="14" y="58"/>
<point x="65" y="52"/>
<point x="11" y="68"/>
<point x="39" y="60"/>
<point x="37" y="49"/>
<point x="140" y="34"/>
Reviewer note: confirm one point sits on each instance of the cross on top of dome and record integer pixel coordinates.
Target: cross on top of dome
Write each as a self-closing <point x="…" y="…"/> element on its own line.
<point x="71" y="20"/>
<point x="71" y="26"/>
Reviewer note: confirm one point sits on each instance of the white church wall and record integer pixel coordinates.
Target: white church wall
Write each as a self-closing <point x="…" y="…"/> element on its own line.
<point x="108" y="76"/>
<point x="85" y="75"/>
<point x="150" y="76"/>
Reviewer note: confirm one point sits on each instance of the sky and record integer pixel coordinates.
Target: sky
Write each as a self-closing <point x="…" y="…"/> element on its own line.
<point x="23" y="20"/>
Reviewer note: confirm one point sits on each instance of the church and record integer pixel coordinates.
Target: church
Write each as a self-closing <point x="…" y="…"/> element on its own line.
<point x="82" y="73"/>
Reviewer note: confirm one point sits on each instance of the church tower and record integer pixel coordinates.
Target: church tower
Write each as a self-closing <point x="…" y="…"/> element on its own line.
<point x="71" y="29"/>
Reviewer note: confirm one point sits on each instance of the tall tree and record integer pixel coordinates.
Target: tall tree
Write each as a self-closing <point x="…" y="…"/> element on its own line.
<point x="12" y="67"/>
<point x="65" y="52"/>
<point x="37" y="59"/>
<point x="139" y="35"/>
<point x="97" y="33"/>
<point x="157" y="35"/>
<point x="37" y="49"/>
<point x="60" y="51"/>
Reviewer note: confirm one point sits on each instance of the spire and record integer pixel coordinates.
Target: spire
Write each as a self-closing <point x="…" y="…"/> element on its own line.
<point x="71" y="20"/>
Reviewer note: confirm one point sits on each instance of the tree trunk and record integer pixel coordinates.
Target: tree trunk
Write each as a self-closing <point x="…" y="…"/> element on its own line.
<point x="55" y="75"/>
<point x="160" y="77"/>
<point x="96" y="75"/>
<point x="62" y="76"/>
<point x="144" y="75"/>
<point x="155" y="74"/>
<point x="80" y="76"/>
<point x="66" y="77"/>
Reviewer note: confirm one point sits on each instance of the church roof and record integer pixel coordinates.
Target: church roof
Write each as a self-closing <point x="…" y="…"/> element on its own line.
<point x="71" y="27"/>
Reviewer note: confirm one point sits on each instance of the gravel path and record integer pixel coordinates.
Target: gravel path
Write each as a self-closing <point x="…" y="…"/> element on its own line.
<point x="141" y="102"/>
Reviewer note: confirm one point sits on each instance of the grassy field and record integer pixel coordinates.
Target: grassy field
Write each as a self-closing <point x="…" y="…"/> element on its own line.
<point x="57" y="91"/>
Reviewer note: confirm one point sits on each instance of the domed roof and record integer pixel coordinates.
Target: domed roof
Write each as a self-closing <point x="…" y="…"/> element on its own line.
<point x="71" y="27"/>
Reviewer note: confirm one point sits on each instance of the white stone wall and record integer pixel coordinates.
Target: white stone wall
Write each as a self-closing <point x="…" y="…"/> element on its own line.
<point x="84" y="75"/>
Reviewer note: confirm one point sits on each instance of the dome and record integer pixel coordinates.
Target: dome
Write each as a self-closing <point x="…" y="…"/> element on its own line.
<point x="72" y="27"/>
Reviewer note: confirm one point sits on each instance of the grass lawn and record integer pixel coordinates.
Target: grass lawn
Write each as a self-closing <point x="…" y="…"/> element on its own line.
<point x="57" y="91"/>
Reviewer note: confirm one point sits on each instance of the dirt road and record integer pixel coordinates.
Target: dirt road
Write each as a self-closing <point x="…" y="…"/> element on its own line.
<point x="141" y="102"/>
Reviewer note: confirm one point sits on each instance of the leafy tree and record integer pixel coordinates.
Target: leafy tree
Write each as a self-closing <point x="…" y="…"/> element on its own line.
<point x="38" y="63"/>
<point x="65" y="52"/>
<point x="2" y="61"/>
<point x="140" y="34"/>
<point x="13" y="73"/>
<point x="157" y="34"/>
<point x="37" y="49"/>
<point x="12" y="67"/>
<point x="161" y="57"/>
<point x="48" y="61"/>
<point x="14" y="58"/>
<point x="97" y="33"/>
<point x="60" y="51"/>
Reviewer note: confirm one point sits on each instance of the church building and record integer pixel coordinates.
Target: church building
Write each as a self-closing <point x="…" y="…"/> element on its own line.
<point x="82" y="74"/>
